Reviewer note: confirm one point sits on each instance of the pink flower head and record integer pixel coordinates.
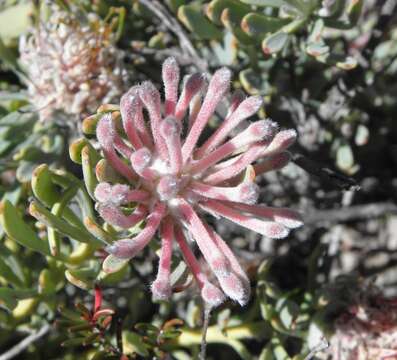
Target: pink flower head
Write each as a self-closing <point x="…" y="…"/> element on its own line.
<point x="173" y="179"/>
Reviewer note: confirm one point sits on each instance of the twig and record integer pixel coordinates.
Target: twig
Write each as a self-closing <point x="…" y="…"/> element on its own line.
<point x="21" y="346"/>
<point x="351" y="213"/>
<point x="176" y="52"/>
<point x="327" y="175"/>
<point x="207" y="315"/>
<point x="169" y="21"/>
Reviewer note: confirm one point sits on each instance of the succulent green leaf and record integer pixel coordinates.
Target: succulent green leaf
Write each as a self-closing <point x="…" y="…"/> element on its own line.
<point x="88" y="125"/>
<point x="198" y="24"/>
<point x="43" y="187"/>
<point x="317" y="31"/>
<point x="46" y="217"/>
<point x="105" y="173"/>
<point x="216" y="7"/>
<point x="288" y="312"/>
<point x="274" y="43"/>
<point x="335" y="8"/>
<point x="317" y="49"/>
<point x="133" y="344"/>
<point x="348" y="63"/>
<point x="9" y="297"/>
<point x="97" y="231"/>
<point x="89" y="158"/>
<point x="25" y="171"/>
<point x="258" y="25"/>
<point x="113" y="264"/>
<point x="267" y="353"/>
<point x="175" y="4"/>
<point x="47" y="285"/>
<point x="73" y="342"/>
<point x="271" y="3"/>
<point x="362" y="135"/>
<point x="8" y="274"/>
<point x="304" y="7"/>
<point x="279" y="352"/>
<point x="82" y="278"/>
<point x="18" y="230"/>
<point x="107" y="278"/>
<point x="75" y="149"/>
<point x="344" y="158"/>
<point x="232" y="22"/>
<point x="354" y="11"/>
<point x="8" y="56"/>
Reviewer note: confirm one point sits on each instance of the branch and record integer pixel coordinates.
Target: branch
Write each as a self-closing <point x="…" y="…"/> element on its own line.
<point x="351" y="213"/>
<point x="325" y="174"/>
<point x="173" y="25"/>
<point x="21" y="346"/>
<point x="318" y="348"/>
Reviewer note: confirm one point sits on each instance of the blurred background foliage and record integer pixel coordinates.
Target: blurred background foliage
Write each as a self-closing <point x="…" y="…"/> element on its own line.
<point x="327" y="68"/>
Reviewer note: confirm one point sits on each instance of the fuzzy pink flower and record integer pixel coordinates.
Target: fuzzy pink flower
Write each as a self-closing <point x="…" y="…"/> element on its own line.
<point x="173" y="179"/>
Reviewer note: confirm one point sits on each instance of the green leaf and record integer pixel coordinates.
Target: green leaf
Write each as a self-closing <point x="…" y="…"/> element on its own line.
<point x="254" y="83"/>
<point x="344" y="158"/>
<point x="216" y="7"/>
<point x="10" y="96"/>
<point x="362" y="135"/>
<point x="76" y="148"/>
<point x="47" y="218"/>
<point x="288" y="312"/>
<point x="8" y="274"/>
<point x="13" y="195"/>
<point x="97" y="231"/>
<point x="43" y="187"/>
<point x="274" y="43"/>
<point x="267" y="353"/>
<point x="271" y="3"/>
<point x="105" y="173"/>
<point x="88" y="125"/>
<point x="335" y="8"/>
<point x="47" y="284"/>
<point x="18" y="230"/>
<point x="82" y="278"/>
<point x="9" y="297"/>
<point x="354" y="11"/>
<point x="89" y="158"/>
<point x="8" y="56"/>
<point x="175" y="4"/>
<point x="347" y="64"/>
<point x="113" y="264"/>
<point x="232" y="22"/>
<point x="180" y="276"/>
<point x="74" y="342"/>
<point x="258" y="25"/>
<point x="279" y="352"/>
<point x="25" y="171"/>
<point x="198" y="24"/>
<point x="133" y="344"/>
<point x="304" y="7"/>
<point x="317" y="49"/>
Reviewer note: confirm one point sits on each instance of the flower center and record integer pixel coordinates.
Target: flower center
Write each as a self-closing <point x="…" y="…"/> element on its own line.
<point x="168" y="187"/>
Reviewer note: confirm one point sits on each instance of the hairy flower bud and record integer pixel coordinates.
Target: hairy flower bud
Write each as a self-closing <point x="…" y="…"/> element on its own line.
<point x="72" y="66"/>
